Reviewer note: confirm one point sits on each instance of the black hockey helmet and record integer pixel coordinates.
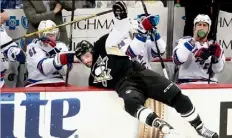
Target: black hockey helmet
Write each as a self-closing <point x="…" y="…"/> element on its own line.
<point x="83" y="47"/>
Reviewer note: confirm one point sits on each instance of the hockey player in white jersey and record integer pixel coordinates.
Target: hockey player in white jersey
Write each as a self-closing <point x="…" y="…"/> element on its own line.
<point x="194" y="54"/>
<point x="126" y="35"/>
<point x="47" y="59"/>
<point x="10" y="52"/>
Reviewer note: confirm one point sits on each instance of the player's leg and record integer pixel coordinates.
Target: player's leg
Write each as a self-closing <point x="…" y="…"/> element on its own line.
<point x="163" y="90"/>
<point x="134" y="100"/>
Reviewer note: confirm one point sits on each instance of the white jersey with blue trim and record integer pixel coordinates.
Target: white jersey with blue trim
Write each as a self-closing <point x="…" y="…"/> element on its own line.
<point x="138" y="47"/>
<point x="4" y="64"/>
<point x="41" y="69"/>
<point x="192" y="69"/>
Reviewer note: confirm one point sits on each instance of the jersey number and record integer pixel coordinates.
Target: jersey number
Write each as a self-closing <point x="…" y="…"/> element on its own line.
<point x="202" y="62"/>
<point x="32" y="51"/>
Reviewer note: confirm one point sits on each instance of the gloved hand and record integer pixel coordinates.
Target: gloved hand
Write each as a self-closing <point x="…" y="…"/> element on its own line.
<point x="216" y="51"/>
<point x="16" y="54"/>
<point x="150" y="22"/>
<point x="154" y="18"/>
<point x="120" y="10"/>
<point x="64" y="58"/>
<point x="202" y="53"/>
<point x="48" y="41"/>
<point x="156" y="34"/>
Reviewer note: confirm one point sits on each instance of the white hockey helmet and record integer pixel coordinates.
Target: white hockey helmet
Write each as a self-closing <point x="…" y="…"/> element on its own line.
<point x="202" y="18"/>
<point x="48" y="24"/>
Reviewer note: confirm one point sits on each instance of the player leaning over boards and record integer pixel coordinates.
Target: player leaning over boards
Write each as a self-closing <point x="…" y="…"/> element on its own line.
<point x="47" y="58"/>
<point x="194" y="54"/>
<point x="9" y="52"/>
<point x="134" y="83"/>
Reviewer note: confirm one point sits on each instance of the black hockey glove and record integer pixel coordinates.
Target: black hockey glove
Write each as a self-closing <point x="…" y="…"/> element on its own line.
<point x="216" y="51"/>
<point x="202" y="53"/>
<point x="120" y="10"/>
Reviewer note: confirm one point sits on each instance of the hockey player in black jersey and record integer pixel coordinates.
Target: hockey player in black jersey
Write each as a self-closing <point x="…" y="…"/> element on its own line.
<point x="134" y="83"/>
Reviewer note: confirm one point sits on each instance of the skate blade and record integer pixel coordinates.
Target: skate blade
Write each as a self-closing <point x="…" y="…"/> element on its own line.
<point x="175" y="134"/>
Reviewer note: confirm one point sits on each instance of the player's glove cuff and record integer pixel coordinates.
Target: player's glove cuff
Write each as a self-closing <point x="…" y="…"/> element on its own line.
<point x="157" y="35"/>
<point x="215" y="60"/>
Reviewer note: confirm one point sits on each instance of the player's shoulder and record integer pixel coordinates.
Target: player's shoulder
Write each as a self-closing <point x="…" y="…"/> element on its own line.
<point x="183" y="40"/>
<point x="186" y="38"/>
<point x="99" y="45"/>
<point x="33" y="43"/>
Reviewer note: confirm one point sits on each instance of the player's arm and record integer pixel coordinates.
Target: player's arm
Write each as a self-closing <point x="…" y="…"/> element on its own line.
<point x="14" y="53"/>
<point x="161" y="44"/>
<point x="62" y="47"/>
<point x="134" y="47"/>
<point x="121" y="25"/>
<point x="182" y="50"/>
<point x="218" y="57"/>
<point x="37" y="58"/>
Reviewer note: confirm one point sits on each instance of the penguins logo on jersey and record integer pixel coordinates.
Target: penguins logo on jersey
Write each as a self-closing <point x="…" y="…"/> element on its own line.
<point x="100" y="71"/>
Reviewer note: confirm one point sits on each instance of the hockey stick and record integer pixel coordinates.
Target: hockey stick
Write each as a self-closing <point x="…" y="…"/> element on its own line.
<point x="64" y="24"/>
<point x="70" y="42"/>
<point x="156" y="45"/>
<point x="176" y="73"/>
<point x="215" y="14"/>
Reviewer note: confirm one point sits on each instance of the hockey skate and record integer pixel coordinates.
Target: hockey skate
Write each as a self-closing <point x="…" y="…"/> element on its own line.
<point x="205" y="132"/>
<point x="162" y="125"/>
<point x="167" y="129"/>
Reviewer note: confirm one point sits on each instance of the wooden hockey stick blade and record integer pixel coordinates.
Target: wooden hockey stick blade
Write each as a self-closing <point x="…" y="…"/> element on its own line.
<point x="64" y="24"/>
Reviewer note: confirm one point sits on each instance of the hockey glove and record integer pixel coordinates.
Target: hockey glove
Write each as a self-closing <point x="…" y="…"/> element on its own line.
<point x="64" y="58"/>
<point x="16" y="54"/>
<point x="202" y="53"/>
<point x="150" y="22"/>
<point x="215" y="51"/>
<point x="120" y="10"/>
<point x="48" y="41"/>
<point x="156" y="34"/>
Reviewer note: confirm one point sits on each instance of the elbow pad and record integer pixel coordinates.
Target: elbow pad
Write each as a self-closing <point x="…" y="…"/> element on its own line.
<point x="46" y="66"/>
<point x="161" y="45"/>
<point x="137" y="46"/>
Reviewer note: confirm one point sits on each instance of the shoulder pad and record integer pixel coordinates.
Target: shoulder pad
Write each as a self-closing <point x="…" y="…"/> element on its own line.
<point x="35" y="41"/>
<point x="186" y="37"/>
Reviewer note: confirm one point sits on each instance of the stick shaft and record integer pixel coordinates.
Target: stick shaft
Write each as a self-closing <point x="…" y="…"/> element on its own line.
<point x="70" y="42"/>
<point x="215" y="15"/>
<point x="64" y="24"/>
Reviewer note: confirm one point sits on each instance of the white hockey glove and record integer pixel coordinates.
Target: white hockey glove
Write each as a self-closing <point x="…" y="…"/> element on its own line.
<point x="16" y="54"/>
<point x="64" y="58"/>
